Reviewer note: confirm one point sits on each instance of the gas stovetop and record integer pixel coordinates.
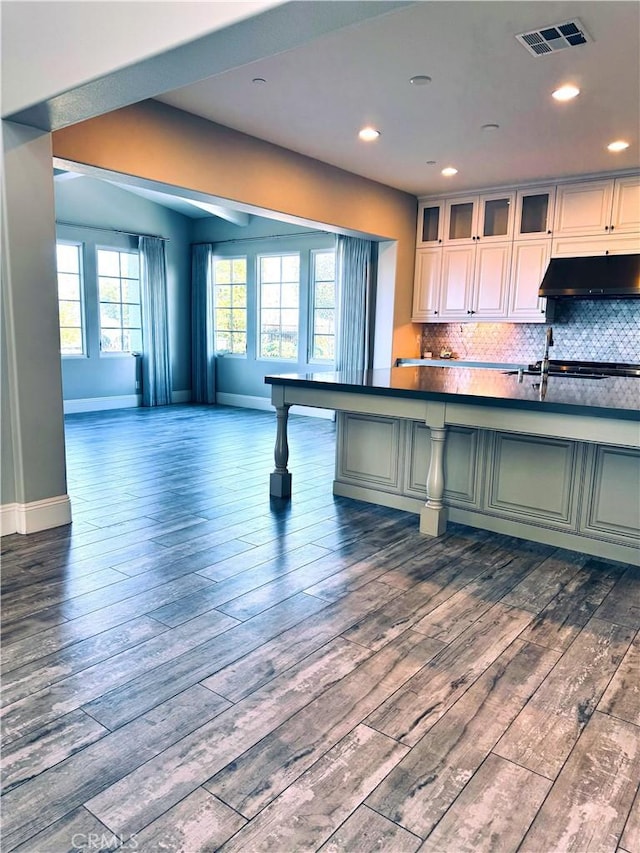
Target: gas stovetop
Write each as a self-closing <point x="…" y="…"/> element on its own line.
<point x="588" y="368"/>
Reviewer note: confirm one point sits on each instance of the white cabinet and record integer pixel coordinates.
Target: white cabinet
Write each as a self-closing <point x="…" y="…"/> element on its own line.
<point x="598" y="207"/>
<point x="475" y="281"/>
<point x="430" y="224"/>
<point x="580" y="247"/>
<point x="426" y="287"/>
<point x="534" y="213"/>
<point x="491" y="281"/>
<point x="528" y="266"/>
<point x="457" y="282"/>
<point x="484" y="218"/>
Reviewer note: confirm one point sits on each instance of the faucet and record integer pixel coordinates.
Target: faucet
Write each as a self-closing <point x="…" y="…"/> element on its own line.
<point x="544" y="368"/>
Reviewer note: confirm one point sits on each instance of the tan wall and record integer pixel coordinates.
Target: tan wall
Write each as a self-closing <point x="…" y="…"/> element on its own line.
<point x="157" y="142"/>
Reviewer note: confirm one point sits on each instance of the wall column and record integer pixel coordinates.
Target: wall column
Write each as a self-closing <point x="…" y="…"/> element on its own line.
<point x="31" y="345"/>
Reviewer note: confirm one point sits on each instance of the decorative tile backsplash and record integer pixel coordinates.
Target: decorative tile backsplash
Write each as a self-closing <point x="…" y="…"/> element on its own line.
<point x="590" y="330"/>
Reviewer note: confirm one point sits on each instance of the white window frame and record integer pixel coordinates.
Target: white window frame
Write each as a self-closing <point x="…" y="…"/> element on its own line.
<point x="231" y="259"/>
<point x="259" y="355"/>
<point x="311" y="359"/>
<point x="119" y="251"/>
<point x="83" y="338"/>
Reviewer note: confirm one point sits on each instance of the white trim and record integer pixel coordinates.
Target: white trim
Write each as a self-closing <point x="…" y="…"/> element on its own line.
<point x="245" y="401"/>
<point x="125" y="401"/>
<point x="34" y="516"/>
<point x="99" y="404"/>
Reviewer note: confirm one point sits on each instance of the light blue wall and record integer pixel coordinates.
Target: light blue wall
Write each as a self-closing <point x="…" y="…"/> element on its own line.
<point x="86" y="201"/>
<point x="245" y="376"/>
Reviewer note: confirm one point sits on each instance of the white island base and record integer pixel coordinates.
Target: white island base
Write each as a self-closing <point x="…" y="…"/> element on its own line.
<point x="569" y="480"/>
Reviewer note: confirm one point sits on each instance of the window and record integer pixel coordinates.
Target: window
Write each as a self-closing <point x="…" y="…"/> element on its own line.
<point x="70" y="298"/>
<point x="279" y="284"/>
<point x="323" y="306"/>
<point x="230" y="304"/>
<point x="119" y="295"/>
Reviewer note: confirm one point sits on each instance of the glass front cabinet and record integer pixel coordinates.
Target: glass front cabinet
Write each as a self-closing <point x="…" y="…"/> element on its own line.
<point x="534" y="213"/>
<point x="479" y="218"/>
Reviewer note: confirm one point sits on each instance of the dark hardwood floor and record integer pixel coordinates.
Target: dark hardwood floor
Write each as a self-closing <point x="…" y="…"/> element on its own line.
<point x="193" y="666"/>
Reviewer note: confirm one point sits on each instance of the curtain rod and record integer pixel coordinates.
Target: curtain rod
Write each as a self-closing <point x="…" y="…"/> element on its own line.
<point x="113" y="230"/>
<point x="266" y="237"/>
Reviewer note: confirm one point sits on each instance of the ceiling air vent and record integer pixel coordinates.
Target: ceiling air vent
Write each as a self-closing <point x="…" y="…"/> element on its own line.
<point x="555" y="37"/>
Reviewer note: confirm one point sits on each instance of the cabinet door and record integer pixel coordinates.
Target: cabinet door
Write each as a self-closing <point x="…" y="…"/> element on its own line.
<point x="491" y="281"/>
<point x="625" y="218"/>
<point x="530" y="260"/>
<point x="426" y="287"/>
<point x="534" y="213"/>
<point x="461" y="220"/>
<point x="457" y="282"/>
<point x="577" y="247"/>
<point x="495" y="217"/>
<point x="583" y="208"/>
<point x="430" y="223"/>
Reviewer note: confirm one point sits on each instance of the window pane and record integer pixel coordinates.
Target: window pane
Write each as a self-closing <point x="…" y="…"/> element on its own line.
<point x="239" y="321"/>
<point x="110" y="315"/>
<point x="108" y="263"/>
<point x="69" y="313"/>
<point x="239" y="270"/>
<point x="131" y="316"/>
<point x="131" y="291"/>
<point x="289" y="345"/>
<point x="238" y="343"/>
<point x="324" y="320"/>
<point x="222" y="271"/>
<point x="222" y="296"/>
<point x="325" y="295"/>
<point x="291" y="268"/>
<point x="109" y="289"/>
<point x="325" y="266"/>
<point x="270" y="269"/>
<point x="135" y="337"/>
<point x="239" y="296"/>
<point x="223" y="319"/>
<point x="111" y="341"/>
<point x="270" y="295"/>
<point x="71" y="341"/>
<point x="68" y="258"/>
<point x="324" y="347"/>
<point x="290" y="295"/>
<point x="289" y="318"/>
<point x="68" y="286"/>
<point x="129" y="265"/>
<point x="271" y="317"/>
<point x="223" y="341"/>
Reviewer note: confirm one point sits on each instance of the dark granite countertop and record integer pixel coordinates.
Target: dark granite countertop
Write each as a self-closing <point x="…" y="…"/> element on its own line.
<point x="611" y="396"/>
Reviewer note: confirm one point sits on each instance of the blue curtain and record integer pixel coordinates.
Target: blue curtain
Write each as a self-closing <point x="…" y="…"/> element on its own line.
<point x="156" y="365"/>
<point x="354" y="282"/>
<point x="203" y="362"/>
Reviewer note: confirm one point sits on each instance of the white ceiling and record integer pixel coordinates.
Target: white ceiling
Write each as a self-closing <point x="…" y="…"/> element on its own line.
<point x="317" y="96"/>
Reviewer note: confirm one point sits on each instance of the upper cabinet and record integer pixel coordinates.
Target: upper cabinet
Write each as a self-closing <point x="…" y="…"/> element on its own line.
<point x="430" y="224"/>
<point x="479" y="218"/>
<point x="598" y="208"/>
<point x="534" y="213"/>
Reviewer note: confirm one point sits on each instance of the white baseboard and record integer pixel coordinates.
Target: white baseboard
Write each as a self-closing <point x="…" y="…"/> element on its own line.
<point x="245" y="401"/>
<point x="34" y="516"/>
<point x="124" y="401"/>
<point x="100" y="404"/>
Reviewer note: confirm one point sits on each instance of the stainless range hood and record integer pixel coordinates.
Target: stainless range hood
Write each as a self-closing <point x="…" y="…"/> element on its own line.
<point x="599" y="277"/>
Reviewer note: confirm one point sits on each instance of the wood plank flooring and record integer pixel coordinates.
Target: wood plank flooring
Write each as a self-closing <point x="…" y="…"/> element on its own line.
<point x="193" y="666"/>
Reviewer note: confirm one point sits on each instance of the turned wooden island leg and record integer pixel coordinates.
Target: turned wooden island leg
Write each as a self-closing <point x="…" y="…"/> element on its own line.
<point x="280" y="480"/>
<point x="433" y="515"/>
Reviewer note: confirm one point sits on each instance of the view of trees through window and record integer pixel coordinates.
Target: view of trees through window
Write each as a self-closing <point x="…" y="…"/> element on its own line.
<point x="230" y="305"/>
<point x="119" y="295"/>
<point x="323" y="287"/>
<point x="70" y="298"/>
<point x="279" y="287"/>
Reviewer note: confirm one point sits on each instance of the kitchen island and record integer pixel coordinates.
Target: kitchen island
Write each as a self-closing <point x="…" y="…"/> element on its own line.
<point x="555" y="462"/>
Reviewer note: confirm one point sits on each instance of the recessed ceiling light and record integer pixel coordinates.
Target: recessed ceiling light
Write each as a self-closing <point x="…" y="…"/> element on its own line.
<point x="369" y="134"/>
<point x="618" y="145"/>
<point x="420" y="80"/>
<point x="490" y="127"/>
<point x="566" y="92"/>
<point x="449" y="171"/>
<point x="258" y="81"/>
